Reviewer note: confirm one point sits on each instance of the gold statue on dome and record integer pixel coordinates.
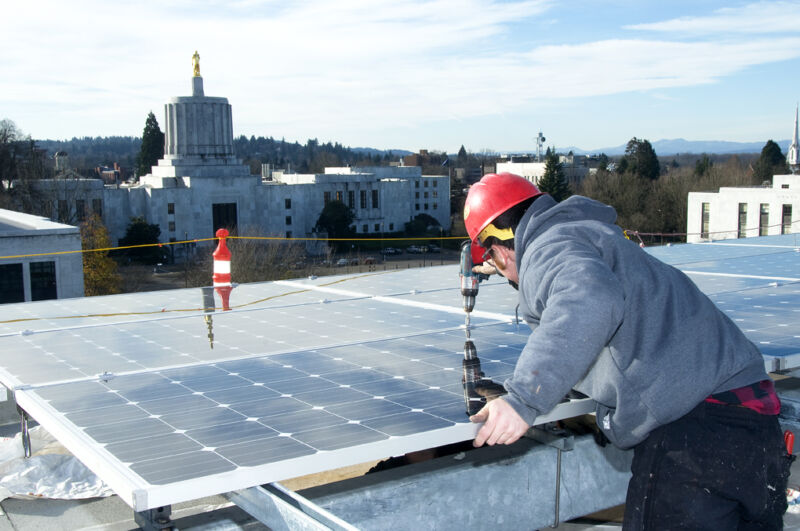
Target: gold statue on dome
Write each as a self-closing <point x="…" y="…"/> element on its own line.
<point x="196" y="64"/>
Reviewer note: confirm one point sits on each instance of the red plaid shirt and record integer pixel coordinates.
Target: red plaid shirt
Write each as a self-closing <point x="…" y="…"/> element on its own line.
<point x="758" y="396"/>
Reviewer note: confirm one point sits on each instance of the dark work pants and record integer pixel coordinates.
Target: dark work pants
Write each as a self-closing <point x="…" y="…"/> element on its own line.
<point x="719" y="467"/>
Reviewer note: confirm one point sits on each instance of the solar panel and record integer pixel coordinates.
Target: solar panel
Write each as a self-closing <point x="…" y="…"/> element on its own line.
<point x="169" y="398"/>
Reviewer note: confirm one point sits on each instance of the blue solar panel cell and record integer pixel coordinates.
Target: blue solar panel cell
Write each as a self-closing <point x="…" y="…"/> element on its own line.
<point x="264" y="451"/>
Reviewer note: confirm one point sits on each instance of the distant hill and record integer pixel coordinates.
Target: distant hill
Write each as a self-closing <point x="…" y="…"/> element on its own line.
<point x="679" y="145"/>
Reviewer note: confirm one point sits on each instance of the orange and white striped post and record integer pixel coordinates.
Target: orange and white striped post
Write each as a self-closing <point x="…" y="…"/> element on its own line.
<point x="222" y="261"/>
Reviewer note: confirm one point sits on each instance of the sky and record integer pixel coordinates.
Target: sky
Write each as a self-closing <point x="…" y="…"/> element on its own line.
<point x="411" y="74"/>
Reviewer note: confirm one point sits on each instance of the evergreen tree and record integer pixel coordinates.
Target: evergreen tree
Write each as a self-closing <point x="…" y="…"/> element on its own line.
<point x="100" y="275"/>
<point x="336" y="219"/>
<point x="770" y="162"/>
<point x="602" y="162"/>
<point x="702" y="166"/>
<point x="152" y="146"/>
<point x="641" y="159"/>
<point x="462" y="156"/>
<point x="139" y="232"/>
<point x="554" y="182"/>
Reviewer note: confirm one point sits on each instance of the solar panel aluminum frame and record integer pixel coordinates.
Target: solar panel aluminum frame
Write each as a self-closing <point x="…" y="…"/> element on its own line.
<point x="400" y="301"/>
<point x="141" y="495"/>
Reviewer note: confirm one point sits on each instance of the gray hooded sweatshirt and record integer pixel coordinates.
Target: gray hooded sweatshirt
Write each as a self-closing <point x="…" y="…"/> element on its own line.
<point x="611" y="321"/>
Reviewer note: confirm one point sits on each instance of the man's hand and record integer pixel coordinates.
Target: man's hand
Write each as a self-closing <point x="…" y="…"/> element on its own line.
<point x="502" y="425"/>
<point x="486" y="268"/>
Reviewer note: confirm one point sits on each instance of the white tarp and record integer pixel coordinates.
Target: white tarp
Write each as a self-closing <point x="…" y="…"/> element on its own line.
<point x="51" y="471"/>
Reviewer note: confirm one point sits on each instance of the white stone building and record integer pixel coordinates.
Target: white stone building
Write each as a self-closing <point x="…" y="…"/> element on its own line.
<point x="533" y="171"/>
<point x="33" y="278"/>
<point x="200" y="186"/>
<point x="744" y="212"/>
<point x="751" y="211"/>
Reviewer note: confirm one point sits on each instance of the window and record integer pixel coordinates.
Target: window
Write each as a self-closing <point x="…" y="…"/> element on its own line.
<point x="363" y="195"/>
<point x="172" y="226"/>
<point x="416" y="195"/>
<point x="97" y="207"/>
<point x="288" y="234"/>
<point x="63" y="211"/>
<point x="377" y="227"/>
<point x="705" y="219"/>
<point x="426" y="184"/>
<point x="288" y="220"/>
<point x="435" y="194"/>
<point x="339" y="195"/>
<point x="43" y="281"/>
<point x="287" y="203"/>
<point x="785" y="186"/>
<point x="172" y="239"/>
<point x="223" y="216"/>
<point x="435" y="184"/>
<point x="364" y="228"/>
<point x="786" y="226"/>
<point x="416" y="206"/>
<point x="171" y="208"/>
<point x="80" y="210"/>
<point x="326" y="197"/>
<point x="11" y="287"/>
<point x="425" y="195"/>
<point x="742" y="220"/>
<point x="374" y="199"/>
<point x="763" y="220"/>
<point x="351" y="198"/>
<point x="416" y="184"/>
<point x="391" y="226"/>
<point x="436" y="206"/>
<point x="426" y="206"/>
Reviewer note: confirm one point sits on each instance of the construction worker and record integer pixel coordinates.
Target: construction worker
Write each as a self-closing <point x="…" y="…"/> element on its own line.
<point x="673" y="377"/>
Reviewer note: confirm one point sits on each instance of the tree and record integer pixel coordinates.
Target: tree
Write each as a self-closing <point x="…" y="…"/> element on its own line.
<point x="770" y="162"/>
<point x="139" y="232"/>
<point x="21" y="163"/>
<point x="152" y="146"/>
<point x="554" y="182"/>
<point x="100" y="275"/>
<point x="641" y="159"/>
<point x="462" y="156"/>
<point x="602" y="162"/>
<point x="422" y="225"/>
<point x="336" y="219"/>
<point x="702" y="166"/>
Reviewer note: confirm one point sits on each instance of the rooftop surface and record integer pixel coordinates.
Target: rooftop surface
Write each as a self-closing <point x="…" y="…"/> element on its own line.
<point x="16" y="223"/>
<point x="198" y="400"/>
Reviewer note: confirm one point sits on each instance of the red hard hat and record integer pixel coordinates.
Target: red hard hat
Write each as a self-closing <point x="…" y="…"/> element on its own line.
<point x="491" y="196"/>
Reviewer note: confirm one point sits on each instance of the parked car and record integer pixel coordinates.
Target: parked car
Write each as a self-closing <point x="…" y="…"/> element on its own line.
<point x="352" y="261"/>
<point x="413" y="249"/>
<point x="391" y="250"/>
<point x="370" y="260"/>
<point x="341" y="262"/>
<point x="433" y="248"/>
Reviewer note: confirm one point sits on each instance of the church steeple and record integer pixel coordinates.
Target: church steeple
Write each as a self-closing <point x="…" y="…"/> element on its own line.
<point x="793" y="156"/>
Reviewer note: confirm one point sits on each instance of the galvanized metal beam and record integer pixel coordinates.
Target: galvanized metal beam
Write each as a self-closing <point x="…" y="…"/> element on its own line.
<point x="283" y="510"/>
<point x="510" y="487"/>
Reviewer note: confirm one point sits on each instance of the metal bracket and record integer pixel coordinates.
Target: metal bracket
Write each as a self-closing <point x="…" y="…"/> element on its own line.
<point x="562" y="441"/>
<point x="24" y="433"/>
<point x="283" y="510"/>
<point x="154" y="519"/>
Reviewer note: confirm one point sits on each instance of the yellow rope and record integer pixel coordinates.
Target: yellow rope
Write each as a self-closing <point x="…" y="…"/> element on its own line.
<point x="277" y="238"/>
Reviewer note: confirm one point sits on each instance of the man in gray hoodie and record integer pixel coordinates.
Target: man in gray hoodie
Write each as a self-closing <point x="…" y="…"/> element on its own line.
<point x="673" y="377"/>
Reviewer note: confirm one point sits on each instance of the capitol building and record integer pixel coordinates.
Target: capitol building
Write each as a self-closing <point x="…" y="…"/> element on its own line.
<point x="200" y="186"/>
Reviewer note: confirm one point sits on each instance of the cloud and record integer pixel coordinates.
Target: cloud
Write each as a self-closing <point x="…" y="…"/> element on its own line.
<point x="760" y="17"/>
<point x="351" y="67"/>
